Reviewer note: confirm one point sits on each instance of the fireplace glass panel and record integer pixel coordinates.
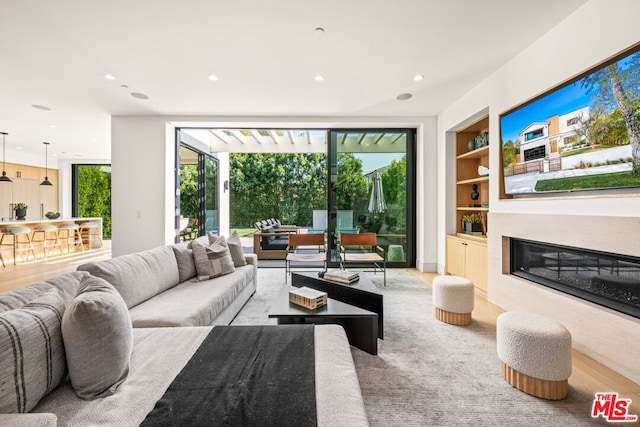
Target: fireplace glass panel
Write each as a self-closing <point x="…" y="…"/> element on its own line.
<point x="608" y="279"/>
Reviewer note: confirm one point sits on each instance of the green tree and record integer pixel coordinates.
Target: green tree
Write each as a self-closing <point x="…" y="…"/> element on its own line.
<point x="352" y="187"/>
<point x="189" y="191"/>
<point x="618" y="85"/>
<point x="94" y="194"/>
<point x="508" y="154"/>
<point x="284" y="186"/>
<point x="394" y="185"/>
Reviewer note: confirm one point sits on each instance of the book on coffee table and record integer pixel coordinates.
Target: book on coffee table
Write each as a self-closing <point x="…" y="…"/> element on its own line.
<point x="308" y="298"/>
<point x="342" y="276"/>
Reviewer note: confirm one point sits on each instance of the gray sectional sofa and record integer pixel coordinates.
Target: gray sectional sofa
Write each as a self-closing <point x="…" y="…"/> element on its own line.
<point x="172" y="314"/>
<point x="160" y="287"/>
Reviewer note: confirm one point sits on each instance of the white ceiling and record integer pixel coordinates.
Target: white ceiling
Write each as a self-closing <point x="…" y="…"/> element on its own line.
<point x="265" y="54"/>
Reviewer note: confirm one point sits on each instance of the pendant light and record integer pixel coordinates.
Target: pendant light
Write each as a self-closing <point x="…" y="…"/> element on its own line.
<point x="4" y="177"/>
<point x="46" y="165"/>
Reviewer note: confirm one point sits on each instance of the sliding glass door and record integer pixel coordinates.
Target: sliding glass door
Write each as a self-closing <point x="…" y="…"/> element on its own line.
<point x="196" y="194"/>
<point x="372" y="182"/>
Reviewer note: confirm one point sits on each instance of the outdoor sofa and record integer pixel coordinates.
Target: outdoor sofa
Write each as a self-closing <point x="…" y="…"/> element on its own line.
<point x="165" y="308"/>
<point x="271" y="239"/>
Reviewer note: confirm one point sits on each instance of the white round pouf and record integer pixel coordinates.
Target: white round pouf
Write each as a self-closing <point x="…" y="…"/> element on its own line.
<point x="535" y="354"/>
<point x="453" y="299"/>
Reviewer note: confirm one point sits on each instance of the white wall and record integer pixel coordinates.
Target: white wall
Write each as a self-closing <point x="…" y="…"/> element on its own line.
<point x="594" y="33"/>
<point x="142" y="184"/>
<point x="224" y="201"/>
<point x="143" y="174"/>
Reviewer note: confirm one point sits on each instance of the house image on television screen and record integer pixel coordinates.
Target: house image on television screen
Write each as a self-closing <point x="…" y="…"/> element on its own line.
<point x="583" y="135"/>
<point x="546" y="140"/>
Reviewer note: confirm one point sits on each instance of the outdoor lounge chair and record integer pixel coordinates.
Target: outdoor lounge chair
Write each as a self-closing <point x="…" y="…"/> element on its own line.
<point x="362" y="248"/>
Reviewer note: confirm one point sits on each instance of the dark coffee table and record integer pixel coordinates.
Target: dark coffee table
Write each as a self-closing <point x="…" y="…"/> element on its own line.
<point x="359" y="294"/>
<point x="360" y="325"/>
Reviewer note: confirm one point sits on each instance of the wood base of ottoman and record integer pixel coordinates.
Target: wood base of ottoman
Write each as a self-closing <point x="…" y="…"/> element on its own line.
<point x="545" y="389"/>
<point x="458" y="319"/>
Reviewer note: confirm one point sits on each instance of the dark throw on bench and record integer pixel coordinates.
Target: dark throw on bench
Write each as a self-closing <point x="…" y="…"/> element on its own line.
<point x="244" y="375"/>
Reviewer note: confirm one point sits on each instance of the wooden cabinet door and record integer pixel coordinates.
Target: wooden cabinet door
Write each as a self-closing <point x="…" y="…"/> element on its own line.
<point x="28" y="191"/>
<point x="6" y="200"/>
<point x="455" y="257"/>
<point x="476" y="264"/>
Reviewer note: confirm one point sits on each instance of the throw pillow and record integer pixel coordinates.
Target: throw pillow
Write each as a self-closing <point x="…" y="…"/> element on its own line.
<point x="269" y="230"/>
<point x="32" y="360"/>
<point x="184" y="257"/>
<point x="98" y="339"/>
<point x="212" y="261"/>
<point x="235" y="247"/>
<point x="212" y="238"/>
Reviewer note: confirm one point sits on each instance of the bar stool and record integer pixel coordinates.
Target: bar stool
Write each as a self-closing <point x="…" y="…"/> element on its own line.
<point x="70" y="233"/>
<point x="46" y="234"/>
<point x="13" y="234"/>
<point x="90" y="231"/>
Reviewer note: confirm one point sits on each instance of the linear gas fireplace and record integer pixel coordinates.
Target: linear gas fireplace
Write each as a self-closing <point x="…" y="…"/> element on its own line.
<point x="608" y="279"/>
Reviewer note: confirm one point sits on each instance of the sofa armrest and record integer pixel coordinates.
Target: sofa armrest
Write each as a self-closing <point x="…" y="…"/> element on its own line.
<point x="29" y="420"/>
<point x="251" y="259"/>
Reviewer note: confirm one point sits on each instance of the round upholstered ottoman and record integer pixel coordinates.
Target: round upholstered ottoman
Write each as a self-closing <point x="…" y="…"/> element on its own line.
<point x="453" y="299"/>
<point x="535" y="354"/>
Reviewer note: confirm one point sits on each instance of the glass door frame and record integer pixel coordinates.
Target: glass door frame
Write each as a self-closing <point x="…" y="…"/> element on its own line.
<point x="332" y="161"/>
<point x="186" y="141"/>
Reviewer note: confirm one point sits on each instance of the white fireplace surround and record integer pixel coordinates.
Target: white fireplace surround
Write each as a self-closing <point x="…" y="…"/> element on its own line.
<point x="598" y="332"/>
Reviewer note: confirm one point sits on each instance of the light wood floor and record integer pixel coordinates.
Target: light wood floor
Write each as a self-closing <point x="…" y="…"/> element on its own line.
<point x="588" y="375"/>
<point x="27" y="272"/>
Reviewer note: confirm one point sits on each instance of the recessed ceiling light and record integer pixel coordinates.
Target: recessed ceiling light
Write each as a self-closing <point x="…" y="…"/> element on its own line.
<point x="139" y="95"/>
<point x="418" y="77"/>
<point x="319" y="78"/>
<point x="319" y="31"/>
<point x="109" y="77"/>
<point x="52" y="126"/>
<point x="18" y="148"/>
<point x="41" y="107"/>
<point x="124" y="86"/>
<point x="213" y="78"/>
<point x="403" y="96"/>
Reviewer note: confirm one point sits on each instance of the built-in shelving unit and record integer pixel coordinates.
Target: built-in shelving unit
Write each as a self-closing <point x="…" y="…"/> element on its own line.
<point x="467" y="175"/>
<point x="467" y="253"/>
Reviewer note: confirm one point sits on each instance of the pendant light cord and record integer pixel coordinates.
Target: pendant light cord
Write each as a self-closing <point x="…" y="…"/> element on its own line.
<point x="4" y="155"/>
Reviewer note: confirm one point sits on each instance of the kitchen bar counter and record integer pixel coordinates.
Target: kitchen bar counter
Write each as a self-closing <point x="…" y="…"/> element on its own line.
<point x="32" y="223"/>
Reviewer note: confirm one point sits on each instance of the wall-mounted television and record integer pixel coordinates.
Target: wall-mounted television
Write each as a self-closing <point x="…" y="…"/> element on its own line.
<point x="582" y="135"/>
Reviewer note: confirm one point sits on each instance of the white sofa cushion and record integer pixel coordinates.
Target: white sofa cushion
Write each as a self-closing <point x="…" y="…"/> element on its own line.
<point x="192" y="303"/>
<point x="98" y="339"/>
<point x="32" y="358"/>
<point x="140" y="276"/>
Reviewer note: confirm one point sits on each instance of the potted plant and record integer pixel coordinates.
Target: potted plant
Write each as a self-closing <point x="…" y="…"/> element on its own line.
<point x="21" y="211"/>
<point x="472" y="223"/>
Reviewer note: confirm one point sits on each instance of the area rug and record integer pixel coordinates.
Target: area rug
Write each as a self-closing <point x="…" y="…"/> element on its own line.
<point x="428" y="373"/>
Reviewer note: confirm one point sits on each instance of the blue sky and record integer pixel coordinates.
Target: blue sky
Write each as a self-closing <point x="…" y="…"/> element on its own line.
<point x="373" y="161"/>
<point x="562" y="101"/>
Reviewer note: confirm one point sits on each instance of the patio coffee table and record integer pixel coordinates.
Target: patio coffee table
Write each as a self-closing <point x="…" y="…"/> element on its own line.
<point x="361" y="294"/>
<point x="360" y="325"/>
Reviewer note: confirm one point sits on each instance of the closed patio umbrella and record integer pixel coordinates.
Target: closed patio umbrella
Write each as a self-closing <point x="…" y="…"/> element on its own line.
<point x="376" y="202"/>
